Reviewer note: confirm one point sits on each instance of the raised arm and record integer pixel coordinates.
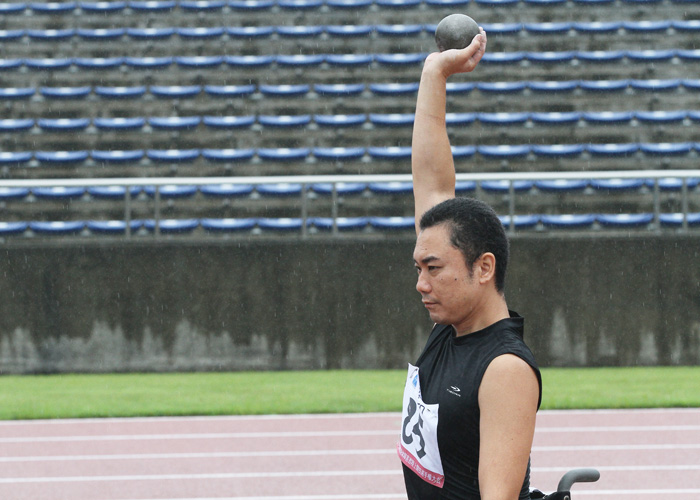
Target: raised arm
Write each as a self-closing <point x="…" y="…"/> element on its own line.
<point x="431" y="159"/>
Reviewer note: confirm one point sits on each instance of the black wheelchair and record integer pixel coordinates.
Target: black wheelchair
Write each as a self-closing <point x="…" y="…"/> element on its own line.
<point x="566" y="482"/>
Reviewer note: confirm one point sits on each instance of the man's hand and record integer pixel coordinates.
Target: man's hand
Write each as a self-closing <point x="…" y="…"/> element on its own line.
<point x="455" y="61"/>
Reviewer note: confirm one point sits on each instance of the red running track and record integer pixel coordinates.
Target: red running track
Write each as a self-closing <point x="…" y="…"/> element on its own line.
<point x="640" y="453"/>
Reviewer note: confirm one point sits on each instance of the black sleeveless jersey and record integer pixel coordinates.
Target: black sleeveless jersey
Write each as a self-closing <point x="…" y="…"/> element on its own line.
<point x="451" y="370"/>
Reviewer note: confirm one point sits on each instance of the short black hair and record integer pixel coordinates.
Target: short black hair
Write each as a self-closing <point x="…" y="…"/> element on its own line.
<point x="474" y="229"/>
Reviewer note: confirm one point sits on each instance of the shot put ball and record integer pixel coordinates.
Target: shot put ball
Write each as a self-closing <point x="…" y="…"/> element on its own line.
<point x="455" y="31"/>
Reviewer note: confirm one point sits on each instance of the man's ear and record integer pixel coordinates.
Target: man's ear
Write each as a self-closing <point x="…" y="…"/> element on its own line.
<point x="485" y="266"/>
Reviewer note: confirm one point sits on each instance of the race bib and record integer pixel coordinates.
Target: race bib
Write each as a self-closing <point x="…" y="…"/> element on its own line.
<point x="418" y="446"/>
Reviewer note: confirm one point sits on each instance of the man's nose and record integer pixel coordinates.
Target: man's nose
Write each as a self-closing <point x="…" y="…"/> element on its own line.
<point x="422" y="285"/>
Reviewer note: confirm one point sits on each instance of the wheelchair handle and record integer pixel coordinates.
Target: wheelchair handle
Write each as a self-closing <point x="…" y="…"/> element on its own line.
<point x="577" y="476"/>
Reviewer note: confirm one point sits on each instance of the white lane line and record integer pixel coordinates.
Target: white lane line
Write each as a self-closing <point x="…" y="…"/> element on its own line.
<point x="307" y="434"/>
<point x="670" y="491"/>
<point x="315" y="453"/>
<point x="296" y="474"/>
<point x="370" y="496"/>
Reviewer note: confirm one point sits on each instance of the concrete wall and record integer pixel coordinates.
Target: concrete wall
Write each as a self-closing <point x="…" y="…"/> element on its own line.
<point x="275" y="304"/>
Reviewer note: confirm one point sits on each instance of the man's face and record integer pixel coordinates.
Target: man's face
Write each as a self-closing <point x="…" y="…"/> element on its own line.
<point x="449" y="291"/>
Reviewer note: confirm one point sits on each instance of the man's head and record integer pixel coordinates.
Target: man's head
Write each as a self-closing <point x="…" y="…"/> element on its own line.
<point x="474" y="229"/>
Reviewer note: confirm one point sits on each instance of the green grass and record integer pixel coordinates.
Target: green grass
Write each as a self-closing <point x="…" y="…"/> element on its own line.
<point x="124" y="395"/>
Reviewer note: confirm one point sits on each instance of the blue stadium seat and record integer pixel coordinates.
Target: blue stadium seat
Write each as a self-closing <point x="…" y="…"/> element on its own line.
<point x="389" y="152"/>
<point x="568" y="221"/>
<point x="280" y="223"/>
<point x="226" y="190"/>
<point x="459" y="87"/>
<point x="612" y="150"/>
<point x="61" y="157"/>
<point x="392" y="223"/>
<point x="338" y="153"/>
<point x="63" y="124"/>
<point x="689" y="55"/>
<point x="16" y="93"/>
<point x="52" y="7"/>
<point x="676" y="219"/>
<point x="391" y="187"/>
<point x="199" y="62"/>
<point x="103" y="7"/>
<point x="175" y="91"/>
<point x="661" y="116"/>
<point x="350" y="30"/>
<point x="339" y="89"/>
<point x="666" y="148"/>
<point x="506" y="58"/>
<point x="646" y="26"/>
<point x="57" y="228"/>
<point x="202" y="5"/>
<point x="625" y="220"/>
<point x="287" y="90"/>
<point x="349" y="60"/>
<point x="121" y="92"/>
<point x="172" y="226"/>
<point x="393" y="88"/>
<point x="504" y="151"/>
<point x="551" y="57"/>
<point x="14" y="158"/>
<point x="174" y="122"/>
<point x="228" y="225"/>
<point x="117" y="156"/>
<point x="311" y="31"/>
<point x="250" y="32"/>
<point x="519" y="221"/>
<point x="340" y="121"/>
<point x="398" y="4"/>
<point x="48" y="64"/>
<point x="673" y="183"/>
<point x="607" y="117"/>
<point x="51" y="35"/>
<point x="112" y="226"/>
<point x="459" y="119"/>
<point x="558" y="150"/>
<point x="229" y="122"/>
<point x="650" y="55"/>
<point x="171" y="191"/>
<point x="604" y="85"/>
<point x="101" y="34"/>
<point x="498" y="3"/>
<point x="121" y="124"/>
<point x="561" y="185"/>
<point x="349" y="4"/>
<point x="59" y="193"/>
<point x="9" y="8"/>
<point x="13" y="193"/>
<point x="601" y="56"/>
<point x="113" y="192"/>
<point x="462" y="187"/>
<point x="546" y="3"/>
<point x="503" y="28"/>
<point x="656" y="85"/>
<point x="548" y="28"/>
<point x="553" y="87"/>
<point x="16" y="124"/>
<point x="150" y="33"/>
<point x="341" y="223"/>
<point x="65" y="92"/>
<point x="251" y="5"/>
<point x="283" y="154"/>
<point x="556" y="118"/>
<point x="399" y="29"/>
<point x="12" y="228"/>
<point x="392" y="119"/>
<point x="597" y="26"/>
<point x="463" y="151"/>
<point x="284" y="121"/>
<point x="11" y="64"/>
<point x="692" y="25"/>
<point x="230" y="90"/>
<point x="152" y="5"/>
<point x="299" y="4"/>
<point x="504" y="186"/>
<point x="228" y="155"/>
<point x="147" y="63"/>
<point x="503" y="118"/>
<point x="172" y="155"/>
<point x="617" y="184"/>
<point x="400" y="59"/>
<point x="300" y="60"/>
<point x="501" y="87"/>
<point x="341" y="188"/>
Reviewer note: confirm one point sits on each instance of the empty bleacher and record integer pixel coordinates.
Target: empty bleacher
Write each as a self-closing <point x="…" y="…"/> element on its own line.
<point x="247" y="88"/>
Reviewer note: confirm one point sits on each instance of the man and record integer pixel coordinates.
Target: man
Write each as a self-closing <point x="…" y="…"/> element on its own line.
<point x="470" y="401"/>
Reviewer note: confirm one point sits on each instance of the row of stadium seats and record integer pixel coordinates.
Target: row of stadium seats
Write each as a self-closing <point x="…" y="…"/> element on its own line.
<point x="662" y="27"/>
<point x="645" y="221"/>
